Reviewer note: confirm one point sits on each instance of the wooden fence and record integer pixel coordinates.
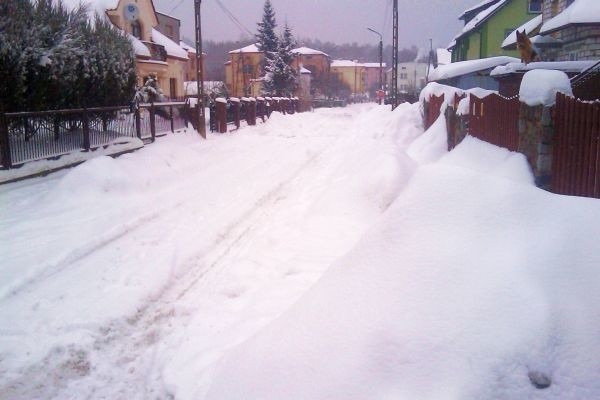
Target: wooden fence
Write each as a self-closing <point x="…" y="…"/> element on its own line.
<point x="32" y="136"/>
<point x="576" y="152"/>
<point x="495" y="119"/>
<point x="432" y="111"/>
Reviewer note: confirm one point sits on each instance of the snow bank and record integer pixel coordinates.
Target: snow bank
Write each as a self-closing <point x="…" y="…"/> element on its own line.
<point x="432" y="144"/>
<point x="470" y="286"/>
<point x="539" y="87"/>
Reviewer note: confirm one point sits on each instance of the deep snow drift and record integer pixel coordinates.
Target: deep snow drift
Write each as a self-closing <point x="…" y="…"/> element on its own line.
<point x="338" y="254"/>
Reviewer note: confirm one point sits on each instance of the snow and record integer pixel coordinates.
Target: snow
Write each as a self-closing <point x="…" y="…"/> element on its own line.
<point x="341" y="253"/>
<point x="528" y="26"/>
<point x="444" y="56"/>
<point x="118" y="145"/>
<point x="94" y="6"/>
<point x="139" y="48"/>
<point x="540" y="86"/>
<point x="481" y="17"/>
<point x="484" y="3"/>
<point x="580" y="12"/>
<point x="308" y="51"/>
<point x="466" y="67"/>
<point x="253" y="48"/>
<point x="472" y="285"/>
<point x="172" y="48"/>
<point x="565" y="66"/>
<point x="187" y="47"/>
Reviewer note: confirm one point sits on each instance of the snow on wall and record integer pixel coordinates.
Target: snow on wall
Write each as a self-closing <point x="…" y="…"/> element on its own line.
<point x="466" y="67"/>
<point x="539" y="87"/>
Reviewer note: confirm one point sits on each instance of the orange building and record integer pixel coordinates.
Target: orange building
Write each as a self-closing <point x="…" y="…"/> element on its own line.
<point x="243" y="71"/>
<point x="315" y="61"/>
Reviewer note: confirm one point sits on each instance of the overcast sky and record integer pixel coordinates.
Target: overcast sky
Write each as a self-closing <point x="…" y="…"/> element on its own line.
<point x="338" y="21"/>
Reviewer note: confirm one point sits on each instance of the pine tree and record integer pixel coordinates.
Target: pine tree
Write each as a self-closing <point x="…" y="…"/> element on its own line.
<point x="52" y="57"/>
<point x="266" y="37"/>
<point x="281" y="79"/>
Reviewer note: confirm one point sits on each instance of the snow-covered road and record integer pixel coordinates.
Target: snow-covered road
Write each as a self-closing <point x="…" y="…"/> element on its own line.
<point x="115" y="273"/>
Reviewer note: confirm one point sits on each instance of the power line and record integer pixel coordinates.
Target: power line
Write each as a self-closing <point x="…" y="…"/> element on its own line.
<point x="233" y="18"/>
<point x="386" y="16"/>
<point x="176" y="6"/>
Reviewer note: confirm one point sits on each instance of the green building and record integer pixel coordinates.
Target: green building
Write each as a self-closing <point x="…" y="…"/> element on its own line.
<point x="487" y="24"/>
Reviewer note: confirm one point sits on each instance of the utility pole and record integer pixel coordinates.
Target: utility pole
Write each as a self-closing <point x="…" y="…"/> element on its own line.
<point x="395" y="57"/>
<point x="199" y="71"/>
<point x="380" y="59"/>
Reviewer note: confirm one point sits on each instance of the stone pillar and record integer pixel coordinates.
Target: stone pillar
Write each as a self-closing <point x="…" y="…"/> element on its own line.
<point x="536" y="132"/>
<point x="221" y="113"/>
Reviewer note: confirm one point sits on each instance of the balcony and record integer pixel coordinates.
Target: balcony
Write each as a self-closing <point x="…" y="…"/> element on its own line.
<point x="157" y="52"/>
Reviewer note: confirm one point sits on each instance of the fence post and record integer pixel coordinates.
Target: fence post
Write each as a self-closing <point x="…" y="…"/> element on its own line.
<point x="152" y="122"/>
<point x="86" y="130"/>
<point x="138" y="122"/>
<point x="171" y="116"/>
<point x="235" y="103"/>
<point x="221" y="111"/>
<point x="56" y="127"/>
<point x="5" y="142"/>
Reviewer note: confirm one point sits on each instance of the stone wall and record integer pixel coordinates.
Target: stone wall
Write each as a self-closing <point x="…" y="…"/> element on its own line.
<point x="536" y="131"/>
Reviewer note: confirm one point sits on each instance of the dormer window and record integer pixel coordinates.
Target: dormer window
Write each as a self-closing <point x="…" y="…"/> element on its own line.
<point x="535" y="6"/>
<point x="136" y="29"/>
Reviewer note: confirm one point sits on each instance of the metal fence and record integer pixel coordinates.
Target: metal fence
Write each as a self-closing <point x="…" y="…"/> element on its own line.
<point x="576" y="153"/>
<point x="30" y="136"/>
<point x="495" y="119"/>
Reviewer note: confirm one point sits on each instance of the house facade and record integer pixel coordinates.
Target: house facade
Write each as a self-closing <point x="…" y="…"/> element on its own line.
<point x="352" y="74"/>
<point x="156" y="53"/>
<point x="574" y="27"/>
<point x="317" y="63"/>
<point x="488" y="24"/>
<point x="243" y="71"/>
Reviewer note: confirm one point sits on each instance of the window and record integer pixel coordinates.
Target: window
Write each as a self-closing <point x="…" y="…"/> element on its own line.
<point x="136" y="29"/>
<point x="535" y="6"/>
<point x="508" y="32"/>
<point x="569" y="2"/>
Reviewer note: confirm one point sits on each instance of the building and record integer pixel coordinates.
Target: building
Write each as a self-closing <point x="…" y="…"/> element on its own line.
<point x="487" y="25"/>
<point x="573" y="27"/>
<point x="412" y="77"/>
<point x="351" y="74"/>
<point x="156" y="53"/>
<point x="374" y="72"/>
<point x="190" y="72"/>
<point x="169" y="26"/>
<point x="243" y="71"/>
<point x="318" y="64"/>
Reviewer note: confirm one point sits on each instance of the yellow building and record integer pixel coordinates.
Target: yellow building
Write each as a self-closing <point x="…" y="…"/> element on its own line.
<point x="155" y="52"/>
<point x="243" y="71"/>
<point x="351" y="73"/>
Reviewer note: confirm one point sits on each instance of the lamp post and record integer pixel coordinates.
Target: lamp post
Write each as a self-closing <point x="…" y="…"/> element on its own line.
<point x="199" y="71"/>
<point x="380" y="59"/>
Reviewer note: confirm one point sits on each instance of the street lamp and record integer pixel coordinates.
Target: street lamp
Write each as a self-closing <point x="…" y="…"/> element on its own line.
<point x="380" y="59"/>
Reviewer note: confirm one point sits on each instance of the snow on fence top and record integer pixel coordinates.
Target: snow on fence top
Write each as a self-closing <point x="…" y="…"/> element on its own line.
<point x="540" y="86"/>
<point x="528" y="26"/>
<point x="234" y="99"/>
<point x="437" y="89"/>
<point x="260" y="98"/>
<point x="466" y="67"/>
<point x="245" y="99"/>
<point x="221" y="100"/>
<point x="580" y="12"/>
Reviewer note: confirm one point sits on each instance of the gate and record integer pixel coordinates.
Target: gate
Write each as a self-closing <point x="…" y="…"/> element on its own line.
<point x="495" y="119"/>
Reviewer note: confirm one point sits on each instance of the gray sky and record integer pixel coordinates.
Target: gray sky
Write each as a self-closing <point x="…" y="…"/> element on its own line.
<point x="338" y="21"/>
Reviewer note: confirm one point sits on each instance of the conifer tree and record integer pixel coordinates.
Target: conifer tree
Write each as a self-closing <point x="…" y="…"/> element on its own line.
<point x="281" y="79"/>
<point x="266" y="37"/>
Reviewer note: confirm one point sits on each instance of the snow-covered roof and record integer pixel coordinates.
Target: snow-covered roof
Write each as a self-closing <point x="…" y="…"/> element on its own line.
<point x="172" y="48"/>
<point x="351" y="63"/>
<point x="466" y="67"/>
<point x="565" y="66"/>
<point x="480" y="18"/>
<point x="444" y="57"/>
<point x="139" y="48"/>
<point x="253" y="48"/>
<point x="580" y="12"/>
<point x="529" y="26"/>
<point x="344" y="63"/>
<point x="187" y="47"/>
<point x="484" y="3"/>
<point x="305" y="71"/>
<point x="373" y="65"/>
<point x="308" y="51"/>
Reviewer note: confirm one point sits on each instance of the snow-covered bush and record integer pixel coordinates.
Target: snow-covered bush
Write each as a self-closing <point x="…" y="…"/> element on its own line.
<point x="52" y="57"/>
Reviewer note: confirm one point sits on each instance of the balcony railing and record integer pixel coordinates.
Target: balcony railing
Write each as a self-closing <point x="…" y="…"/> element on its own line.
<point x="157" y="51"/>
